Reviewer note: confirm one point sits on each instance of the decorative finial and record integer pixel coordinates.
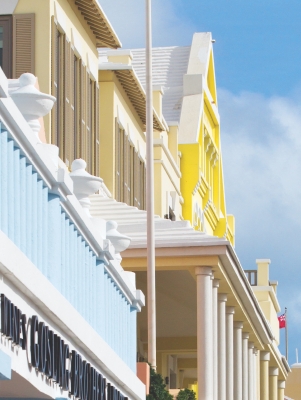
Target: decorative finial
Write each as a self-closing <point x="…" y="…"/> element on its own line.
<point x="32" y="103"/>
<point x="27" y="79"/>
<point x="119" y="241"/>
<point x="84" y="184"/>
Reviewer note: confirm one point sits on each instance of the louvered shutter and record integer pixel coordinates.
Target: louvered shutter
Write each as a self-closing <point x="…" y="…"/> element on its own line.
<point x="77" y="106"/>
<point x="67" y="133"/>
<point x="54" y="82"/>
<point x="121" y="163"/>
<point x="89" y="128"/>
<point x="131" y="175"/>
<point x="82" y="111"/>
<point x="117" y="162"/>
<point x="61" y="94"/>
<point x="92" y="126"/>
<point x="125" y="167"/>
<point x="136" y="180"/>
<point x="96" y="129"/>
<point x="144" y="187"/>
<point x="23" y="44"/>
<point x="72" y="105"/>
<point x="128" y="172"/>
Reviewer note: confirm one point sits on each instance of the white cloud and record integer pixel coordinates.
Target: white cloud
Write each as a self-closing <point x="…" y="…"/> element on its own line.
<point x="261" y="142"/>
<point x="169" y="29"/>
<point x="294" y="311"/>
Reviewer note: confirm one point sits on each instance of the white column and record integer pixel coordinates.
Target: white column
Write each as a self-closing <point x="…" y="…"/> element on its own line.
<point x="215" y="285"/>
<point x="245" y="366"/>
<point x="229" y="353"/>
<point x="181" y="378"/>
<point x="273" y="383"/>
<point x="204" y="333"/>
<point x="256" y="390"/>
<point x="264" y="375"/>
<point x="222" y="298"/>
<point x="251" y="389"/>
<point x="237" y="337"/>
<point x="281" y="387"/>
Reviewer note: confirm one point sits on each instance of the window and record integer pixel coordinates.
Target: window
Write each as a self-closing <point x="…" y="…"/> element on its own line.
<point x="75" y="125"/>
<point x="6" y="45"/>
<point x="17" y="40"/>
<point x="211" y="157"/>
<point x="129" y="171"/>
<point x="23" y="44"/>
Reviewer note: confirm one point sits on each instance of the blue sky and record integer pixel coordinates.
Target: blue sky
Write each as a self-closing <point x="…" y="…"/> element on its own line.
<point x="258" y="72"/>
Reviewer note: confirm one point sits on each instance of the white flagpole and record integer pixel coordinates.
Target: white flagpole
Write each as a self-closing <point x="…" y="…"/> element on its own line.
<point x="286" y="335"/>
<point x="151" y="283"/>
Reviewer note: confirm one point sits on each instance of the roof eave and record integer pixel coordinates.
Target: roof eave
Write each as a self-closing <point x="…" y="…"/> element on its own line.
<point x="99" y="24"/>
<point x="120" y="70"/>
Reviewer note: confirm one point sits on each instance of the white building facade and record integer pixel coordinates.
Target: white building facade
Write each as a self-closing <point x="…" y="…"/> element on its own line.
<point x="68" y="310"/>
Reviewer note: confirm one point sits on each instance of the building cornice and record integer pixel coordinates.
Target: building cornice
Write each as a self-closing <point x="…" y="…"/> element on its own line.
<point x="272" y="294"/>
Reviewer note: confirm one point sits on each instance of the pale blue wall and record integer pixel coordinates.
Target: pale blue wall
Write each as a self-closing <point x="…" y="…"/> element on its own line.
<point x="35" y="221"/>
<point x="5" y="367"/>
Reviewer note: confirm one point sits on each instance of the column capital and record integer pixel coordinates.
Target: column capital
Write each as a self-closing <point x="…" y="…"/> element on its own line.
<point x="238" y="324"/>
<point x="215" y="283"/>
<point x="230" y="310"/>
<point x="265" y="356"/>
<point x="251" y="345"/>
<point x="281" y="384"/>
<point x="222" y="297"/>
<point x="203" y="271"/>
<point x="255" y="351"/>
<point x="274" y="371"/>
<point x="245" y="335"/>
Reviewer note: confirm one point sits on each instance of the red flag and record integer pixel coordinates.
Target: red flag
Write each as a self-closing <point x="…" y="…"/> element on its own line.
<point x="282" y="321"/>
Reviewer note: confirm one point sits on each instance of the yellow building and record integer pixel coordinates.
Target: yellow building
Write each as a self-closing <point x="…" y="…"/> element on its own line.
<point x="189" y="105"/>
<point x="217" y="326"/>
<point x="293" y="386"/>
<point x="215" y="332"/>
<point x="122" y="138"/>
<point x="187" y="153"/>
<point x="57" y="40"/>
<point x="202" y="181"/>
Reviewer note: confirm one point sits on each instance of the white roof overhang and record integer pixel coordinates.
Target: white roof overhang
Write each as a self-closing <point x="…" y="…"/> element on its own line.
<point x="99" y="24"/>
<point x="134" y="90"/>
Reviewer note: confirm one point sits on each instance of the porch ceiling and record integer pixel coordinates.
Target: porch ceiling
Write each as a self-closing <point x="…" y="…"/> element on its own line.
<point x="176" y="303"/>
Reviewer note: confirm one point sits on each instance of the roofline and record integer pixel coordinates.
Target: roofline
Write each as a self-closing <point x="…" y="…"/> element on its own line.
<point x="99" y="23"/>
<point x="140" y="107"/>
<point x="269" y="336"/>
<point x="225" y="252"/>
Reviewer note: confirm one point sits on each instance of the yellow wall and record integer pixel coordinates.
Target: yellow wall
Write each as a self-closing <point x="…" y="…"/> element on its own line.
<point x="266" y="295"/>
<point x="114" y="103"/>
<point x="72" y="24"/>
<point x="202" y="184"/>
<point x="293" y="383"/>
